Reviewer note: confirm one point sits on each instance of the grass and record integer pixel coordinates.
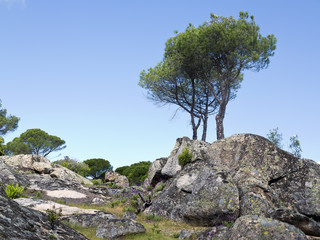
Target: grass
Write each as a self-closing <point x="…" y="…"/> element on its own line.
<point x="157" y="228"/>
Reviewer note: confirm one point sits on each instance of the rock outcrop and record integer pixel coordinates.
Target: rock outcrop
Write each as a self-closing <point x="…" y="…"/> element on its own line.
<point x="243" y="175"/>
<point x="116" y="178"/>
<point x="108" y="225"/>
<point x="154" y="173"/>
<point x="18" y="222"/>
<point x="41" y="165"/>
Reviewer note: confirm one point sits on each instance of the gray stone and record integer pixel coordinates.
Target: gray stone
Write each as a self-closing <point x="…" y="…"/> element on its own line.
<point x="154" y="173"/>
<point x="130" y="215"/>
<point x="306" y="224"/>
<point x="119" y="180"/>
<point x="66" y="174"/>
<point x="17" y="222"/>
<point x="8" y="175"/>
<point x="254" y="227"/>
<point x="244" y="174"/>
<point x="88" y="220"/>
<point x="198" y="149"/>
<point x="115" y="228"/>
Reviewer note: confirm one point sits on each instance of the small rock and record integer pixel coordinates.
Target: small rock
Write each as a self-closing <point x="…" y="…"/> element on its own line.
<point x="97" y="201"/>
<point x="119" y="180"/>
<point x="115" y="228"/>
<point x="130" y="215"/>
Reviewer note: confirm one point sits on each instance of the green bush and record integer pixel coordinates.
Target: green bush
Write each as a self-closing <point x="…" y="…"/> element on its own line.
<point x="136" y="173"/>
<point x="153" y="217"/>
<point x="39" y="195"/>
<point x="115" y="203"/>
<point x="160" y="187"/>
<point x="14" y="191"/>
<point x="176" y="235"/>
<point x="185" y="157"/>
<point x="80" y="168"/>
<point x="96" y="182"/>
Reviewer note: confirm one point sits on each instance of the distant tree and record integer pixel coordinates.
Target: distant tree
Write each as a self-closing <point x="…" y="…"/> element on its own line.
<point x="97" y="167"/>
<point x="121" y="170"/>
<point x="1" y="146"/>
<point x="80" y="168"/>
<point x="7" y="123"/>
<point x="136" y="173"/>
<point x="35" y="141"/>
<point x="295" y="146"/>
<point x="275" y="137"/>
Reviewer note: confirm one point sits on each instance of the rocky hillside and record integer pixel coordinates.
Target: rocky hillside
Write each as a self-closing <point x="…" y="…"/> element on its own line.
<point x="49" y="191"/>
<point x="245" y="180"/>
<point x="242" y="187"/>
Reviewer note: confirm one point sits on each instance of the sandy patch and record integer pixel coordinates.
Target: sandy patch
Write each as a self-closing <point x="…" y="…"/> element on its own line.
<point x="65" y="194"/>
<point x="42" y="205"/>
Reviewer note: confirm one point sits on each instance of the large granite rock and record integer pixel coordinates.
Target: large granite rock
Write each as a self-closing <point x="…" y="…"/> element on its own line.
<point x="9" y="176"/>
<point x="27" y="162"/>
<point x="66" y="174"/>
<point x="116" y="178"/>
<point x="238" y="176"/>
<point x="254" y="227"/>
<point x="154" y="173"/>
<point x="17" y="222"/>
<point x="115" y="228"/>
<point x="108" y="225"/>
<point x="38" y="164"/>
<point x="198" y="148"/>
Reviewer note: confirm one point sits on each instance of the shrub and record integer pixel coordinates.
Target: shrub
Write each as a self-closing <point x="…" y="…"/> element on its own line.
<point x="228" y="223"/>
<point x="75" y="166"/>
<point x="14" y="191"/>
<point x="115" y="203"/>
<point x="176" y="235"/>
<point x="96" y="182"/>
<point x="160" y="187"/>
<point x="185" y="157"/>
<point x="111" y="184"/>
<point x="53" y="216"/>
<point x="39" y="195"/>
<point x="136" y="173"/>
<point x="153" y="217"/>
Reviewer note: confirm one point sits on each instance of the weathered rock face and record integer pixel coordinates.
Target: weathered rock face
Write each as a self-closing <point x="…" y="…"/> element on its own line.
<point x="254" y="227"/>
<point x="154" y="173"/>
<point x="116" y="228"/>
<point x="242" y="175"/>
<point x="198" y="148"/>
<point x="41" y="165"/>
<point x="26" y="161"/>
<point x="9" y="176"/>
<point x="89" y="220"/>
<point x="17" y="222"/>
<point x="65" y="174"/>
<point x="118" y="179"/>
<point x="108" y="225"/>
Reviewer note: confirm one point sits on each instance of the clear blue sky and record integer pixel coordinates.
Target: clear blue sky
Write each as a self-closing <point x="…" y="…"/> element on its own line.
<point x="71" y="68"/>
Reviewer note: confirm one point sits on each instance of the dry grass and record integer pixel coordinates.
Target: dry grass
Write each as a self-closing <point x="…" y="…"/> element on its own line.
<point x="163" y="229"/>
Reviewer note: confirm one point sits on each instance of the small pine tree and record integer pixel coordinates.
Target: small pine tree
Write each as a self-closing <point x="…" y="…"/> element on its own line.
<point x="275" y="137"/>
<point x="295" y="146"/>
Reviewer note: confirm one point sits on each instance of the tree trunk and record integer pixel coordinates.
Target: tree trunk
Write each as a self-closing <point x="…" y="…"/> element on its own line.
<point x="195" y="127"/>
<point x="219" y="121"/>
<point x="205" y="127"/>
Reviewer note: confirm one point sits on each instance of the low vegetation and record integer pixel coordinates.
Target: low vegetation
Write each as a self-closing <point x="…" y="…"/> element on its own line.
<point x="157" y="228"/>
<point x="136" y="173"/>
<point x="185" y="157"/>
<point x="14" y="191"/>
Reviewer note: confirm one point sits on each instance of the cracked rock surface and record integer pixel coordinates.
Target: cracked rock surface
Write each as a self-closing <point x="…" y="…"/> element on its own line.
<point x="243" y="175"/>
